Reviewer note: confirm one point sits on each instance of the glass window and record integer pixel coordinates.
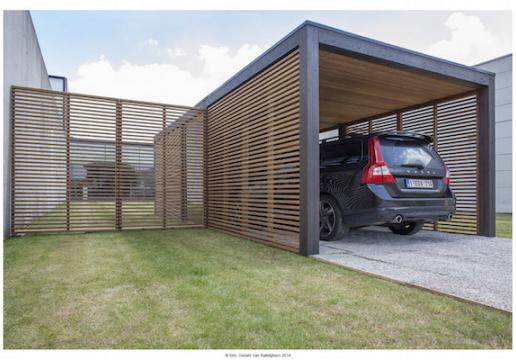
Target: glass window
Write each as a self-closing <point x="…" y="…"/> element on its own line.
<point x="329" y="135"/>
<point x="407" y="153"/>
<point x="57" y="83"/>
<point x="341" y="154"/>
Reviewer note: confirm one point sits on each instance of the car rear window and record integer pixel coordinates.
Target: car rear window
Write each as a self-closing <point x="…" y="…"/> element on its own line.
<point x="407" y="153"/>
<point x="339" y="154"/>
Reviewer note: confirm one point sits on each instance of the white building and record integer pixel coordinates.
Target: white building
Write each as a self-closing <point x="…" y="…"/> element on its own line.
<point x="502" y="66"/>
<point x="23" y="65"/>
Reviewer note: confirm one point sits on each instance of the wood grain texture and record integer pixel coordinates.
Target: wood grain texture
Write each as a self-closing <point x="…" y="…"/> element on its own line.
<point x="253" y="157"/>
<point x="89" y="163"/>
<point x="352" y="88"/>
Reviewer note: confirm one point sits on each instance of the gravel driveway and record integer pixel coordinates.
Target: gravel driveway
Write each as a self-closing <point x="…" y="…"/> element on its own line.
<point x="471" y="267"/>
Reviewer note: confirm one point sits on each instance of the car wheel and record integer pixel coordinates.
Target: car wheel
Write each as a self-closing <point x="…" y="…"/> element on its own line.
<point x="330" y="219"/>
<point x="407" y="228"/>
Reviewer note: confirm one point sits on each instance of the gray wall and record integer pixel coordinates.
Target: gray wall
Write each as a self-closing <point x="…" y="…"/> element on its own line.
<point x="23" y="65"/>
<point x="502" y="66"/>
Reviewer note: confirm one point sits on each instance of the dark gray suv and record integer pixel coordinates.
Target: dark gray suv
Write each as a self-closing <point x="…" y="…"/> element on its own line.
<point x="395" y="179"/>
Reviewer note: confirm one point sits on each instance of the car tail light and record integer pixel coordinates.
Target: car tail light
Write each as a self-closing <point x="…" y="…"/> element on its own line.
<point x="446" y="179"/>
<point x="376" y="170"/>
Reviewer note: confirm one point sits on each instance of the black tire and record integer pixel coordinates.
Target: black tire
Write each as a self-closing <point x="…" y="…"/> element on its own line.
<point x="407" y="228"/>
<point x="330" y="219"/>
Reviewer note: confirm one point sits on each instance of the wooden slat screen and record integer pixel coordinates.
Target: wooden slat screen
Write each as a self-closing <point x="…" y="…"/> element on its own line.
<point x="457" y="134"/>
<point x="420" y="121"/>
<point x="454" y="126"/>
<point x="90" y="163"/>
<point x="359" y="128"/>
<point x="388" y="123"/>
<point x="253" y="157"/>
<point x="180" y="182"/>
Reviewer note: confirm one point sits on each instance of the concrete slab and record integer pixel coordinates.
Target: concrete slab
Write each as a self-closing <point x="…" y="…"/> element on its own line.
<point x="471" y="267"/>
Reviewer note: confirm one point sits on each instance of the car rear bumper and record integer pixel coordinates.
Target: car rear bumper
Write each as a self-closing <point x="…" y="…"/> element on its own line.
<point x="388" y="208"/>
<point x="385" y="215"/>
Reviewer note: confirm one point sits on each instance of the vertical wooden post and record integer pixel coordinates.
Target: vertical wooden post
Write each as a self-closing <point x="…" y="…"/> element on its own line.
<point x="184" y="173"/>
<point x="118" y="166"/>
<point x="270" y="173"/>
<point x="13" y="162"/>
<point x="205" y="163"/>
<point x="399" y="121"/>
<point x="66" y="113"/>
<point x="164" y="168"/>
<point x="370" y="126"/>
<point x="245" y="190"/>
<point x="436" y="146"/>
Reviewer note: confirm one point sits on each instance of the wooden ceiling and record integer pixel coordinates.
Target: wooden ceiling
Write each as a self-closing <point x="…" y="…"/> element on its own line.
<point x="352" y="89"/>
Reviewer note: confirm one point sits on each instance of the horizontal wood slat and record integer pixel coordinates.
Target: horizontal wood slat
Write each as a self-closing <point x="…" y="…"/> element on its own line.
<point x="253" y="157"/>
<point x="90" y="163"/>
<point x="457" y="134"/>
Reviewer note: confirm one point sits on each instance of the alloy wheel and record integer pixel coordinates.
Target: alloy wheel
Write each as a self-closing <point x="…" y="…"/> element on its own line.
<point x="326" y="218"/>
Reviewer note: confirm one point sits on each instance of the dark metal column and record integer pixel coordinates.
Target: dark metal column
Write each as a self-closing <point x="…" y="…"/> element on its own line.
<point x="342" y="129"/>
<point x="309" y="142"/>
<point x="486" y="161"/>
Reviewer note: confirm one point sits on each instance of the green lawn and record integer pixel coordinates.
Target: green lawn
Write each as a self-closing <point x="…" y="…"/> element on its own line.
<point x="202" y="289"/>
<point x="504" y="225"/>
<point x="92" y="214"/>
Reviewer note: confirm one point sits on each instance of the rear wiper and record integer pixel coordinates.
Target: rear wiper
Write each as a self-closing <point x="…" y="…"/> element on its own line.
<point x="414" y="165"/>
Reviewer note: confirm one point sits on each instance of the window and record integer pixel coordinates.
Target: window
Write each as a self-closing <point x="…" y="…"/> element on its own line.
<point x="58" y="83"/>
<point x="341" y="154"/>
<point x="407" y="153"/>
<point x="329" y="135"/>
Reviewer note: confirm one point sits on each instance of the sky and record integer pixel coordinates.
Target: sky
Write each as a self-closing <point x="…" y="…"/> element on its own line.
<point x="178" y="57"/>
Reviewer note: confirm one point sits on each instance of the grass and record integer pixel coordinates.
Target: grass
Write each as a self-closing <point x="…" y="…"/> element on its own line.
<point x="203" y="289"/>
<point x="91" y="214"/>
<point x="504" y="225"/>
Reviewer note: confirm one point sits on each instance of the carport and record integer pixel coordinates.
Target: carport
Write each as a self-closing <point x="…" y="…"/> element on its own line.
<point x="245" y="160"/>
<point x="263" y="127"/>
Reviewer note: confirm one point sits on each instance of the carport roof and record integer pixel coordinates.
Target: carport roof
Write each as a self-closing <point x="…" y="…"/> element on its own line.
<point x="352" y="89"/>
<point x="442" y="77"/>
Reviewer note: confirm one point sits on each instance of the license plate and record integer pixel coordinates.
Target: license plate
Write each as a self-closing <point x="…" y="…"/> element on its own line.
<point x="419" y="184"/>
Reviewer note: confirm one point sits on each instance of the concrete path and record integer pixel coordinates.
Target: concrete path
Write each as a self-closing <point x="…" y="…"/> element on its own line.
<point x="471" y="267"/>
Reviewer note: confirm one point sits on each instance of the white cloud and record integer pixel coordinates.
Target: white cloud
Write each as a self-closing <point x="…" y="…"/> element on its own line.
<point x="151" y="42"/>
<point x="164" y="82"/>
<point x="218" y="61"/>
<point x="176" y="52"/>
<point x="470" y="42"/>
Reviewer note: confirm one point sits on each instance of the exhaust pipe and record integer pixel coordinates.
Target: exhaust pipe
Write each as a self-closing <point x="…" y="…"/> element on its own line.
<point x="398" y="219"/>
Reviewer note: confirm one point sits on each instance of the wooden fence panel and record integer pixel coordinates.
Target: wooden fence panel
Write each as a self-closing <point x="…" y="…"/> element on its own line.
<point x="90" y="163"/>
<point x="388" y="123"/>
<point x="253" y="157"/>
<point x="457" y="133"/>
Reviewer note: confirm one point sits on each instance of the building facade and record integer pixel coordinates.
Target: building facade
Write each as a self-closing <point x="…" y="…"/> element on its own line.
<point x="24" y="66"/>
<point x="502" y="67"/>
